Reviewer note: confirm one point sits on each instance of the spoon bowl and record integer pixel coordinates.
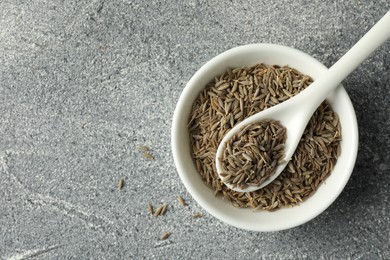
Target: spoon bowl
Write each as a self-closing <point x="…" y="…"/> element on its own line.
<point x="292" y="115"/>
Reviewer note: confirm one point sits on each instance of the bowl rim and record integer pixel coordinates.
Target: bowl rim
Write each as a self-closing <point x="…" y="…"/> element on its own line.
<point x="177" y="153"/>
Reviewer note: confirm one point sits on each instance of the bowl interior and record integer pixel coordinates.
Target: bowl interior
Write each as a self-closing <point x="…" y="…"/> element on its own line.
<point x="246" y="218"/>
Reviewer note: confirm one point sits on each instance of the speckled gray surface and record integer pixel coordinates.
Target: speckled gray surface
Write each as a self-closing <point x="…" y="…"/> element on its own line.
<point x="83" y="83"/>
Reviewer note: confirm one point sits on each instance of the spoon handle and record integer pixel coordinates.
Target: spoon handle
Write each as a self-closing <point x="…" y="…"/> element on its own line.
<point x="322" y="87"/>
<point x="373" y="39"/>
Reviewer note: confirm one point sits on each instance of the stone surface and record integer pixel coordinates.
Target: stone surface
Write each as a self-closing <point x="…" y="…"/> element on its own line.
<point x="84" y="83"/>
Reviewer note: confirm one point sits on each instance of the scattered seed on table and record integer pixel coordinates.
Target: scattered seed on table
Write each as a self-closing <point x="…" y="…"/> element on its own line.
<point x="150" y="209"/>
<point x="143" y="148"/>
<point x="165" y="235"/>
<point x="148" y="156"/>
<point x="164" y="209"/>
<point x="197" y="215"/>
<point x="158" y="211"/>
<point x="120" y="184"/>
<point x="181" y="201"/>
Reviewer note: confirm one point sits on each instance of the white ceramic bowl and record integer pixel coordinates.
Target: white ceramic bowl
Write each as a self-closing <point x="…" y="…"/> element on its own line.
<point x="246" y="218"/>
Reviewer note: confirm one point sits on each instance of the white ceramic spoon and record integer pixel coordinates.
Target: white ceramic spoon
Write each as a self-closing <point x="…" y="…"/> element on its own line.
<point x="296" y="112"/>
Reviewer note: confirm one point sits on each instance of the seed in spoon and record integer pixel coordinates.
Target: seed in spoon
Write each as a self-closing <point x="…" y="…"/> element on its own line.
<point x="255" y="151"/>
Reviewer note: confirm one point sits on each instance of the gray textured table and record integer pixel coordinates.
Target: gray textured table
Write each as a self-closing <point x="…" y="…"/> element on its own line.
<point x="84" y="83"/>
